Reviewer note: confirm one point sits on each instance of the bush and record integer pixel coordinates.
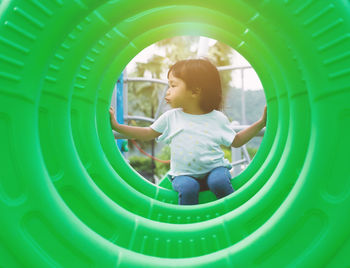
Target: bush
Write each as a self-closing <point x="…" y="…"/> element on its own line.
<point x="227" y="150"/>
<point x="252" y="151"/>
<point x="140" y="163"/>
<point x="143" y="165"/>
<point x="161" y="168"/>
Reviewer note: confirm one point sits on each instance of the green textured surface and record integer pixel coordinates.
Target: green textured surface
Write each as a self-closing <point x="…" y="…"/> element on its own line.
<point x="68" y="199"/>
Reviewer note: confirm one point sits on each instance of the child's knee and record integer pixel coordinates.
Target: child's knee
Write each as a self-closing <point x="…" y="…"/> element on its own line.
<point x="217" y="184"/>
<point x="219" y="180"/>
<point x="190" y="190"/>
<point x="186" y="185"/>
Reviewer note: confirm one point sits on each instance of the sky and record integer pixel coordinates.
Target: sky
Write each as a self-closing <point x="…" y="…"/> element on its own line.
<point x="251" y="80"/>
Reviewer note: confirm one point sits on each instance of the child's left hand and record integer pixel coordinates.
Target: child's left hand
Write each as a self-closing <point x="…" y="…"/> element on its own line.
<point x="112" y="118"/>
<point x="264" y="116"/>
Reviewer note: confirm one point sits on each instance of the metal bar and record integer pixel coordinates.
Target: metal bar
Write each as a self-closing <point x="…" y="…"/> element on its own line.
<point x="165" y="82"/>
<point x="239" y="162"/>
<point x="119" y="111"/>
<point x="126" y="104"/>
<point x="244" y="120"/>
<point x="140" y="118"/>
<point x="161" y="102"/>
<point x="141" y="79"/>
<point x="125" y="93"/>
<point x="151" y="120"/>
<point x="245" y="153"/>
<point x="233" y="68"/>
<point x="236" y="128"/>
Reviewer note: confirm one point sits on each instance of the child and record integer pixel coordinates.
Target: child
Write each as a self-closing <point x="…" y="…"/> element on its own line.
<point x="194" y="129"/>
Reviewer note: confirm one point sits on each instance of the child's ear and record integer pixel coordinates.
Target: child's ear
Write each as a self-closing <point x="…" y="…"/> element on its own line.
<point x="196" y="91"/>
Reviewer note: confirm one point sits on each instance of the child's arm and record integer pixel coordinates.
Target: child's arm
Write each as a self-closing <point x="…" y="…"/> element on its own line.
<point x="139" y="133"/>
<point x="247" y="134"/>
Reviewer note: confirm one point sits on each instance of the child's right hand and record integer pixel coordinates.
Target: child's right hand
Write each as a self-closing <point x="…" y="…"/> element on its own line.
<point x="112" y="118"/>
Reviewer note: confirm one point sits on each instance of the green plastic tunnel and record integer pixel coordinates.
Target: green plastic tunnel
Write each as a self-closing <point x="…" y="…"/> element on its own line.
<point x="68" y="198"/>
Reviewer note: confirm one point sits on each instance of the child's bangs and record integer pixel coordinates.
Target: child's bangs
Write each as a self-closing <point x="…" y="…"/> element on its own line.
<point x="178" y="69"/>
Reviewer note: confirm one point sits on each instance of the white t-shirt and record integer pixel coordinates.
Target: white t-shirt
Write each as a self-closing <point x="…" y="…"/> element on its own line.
<point x="194" y="141"/>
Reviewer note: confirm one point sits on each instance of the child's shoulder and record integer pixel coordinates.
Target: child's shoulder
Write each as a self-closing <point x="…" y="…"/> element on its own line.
<point x="170" y="112"/>
<point x="173" y="111"/>
<point x="220" y="115"/>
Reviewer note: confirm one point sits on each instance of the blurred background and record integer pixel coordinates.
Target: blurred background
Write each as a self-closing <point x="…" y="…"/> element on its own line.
<point x="139" y="93"/>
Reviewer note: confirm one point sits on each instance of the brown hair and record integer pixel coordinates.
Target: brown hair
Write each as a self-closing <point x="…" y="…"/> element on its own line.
<point x="200" y="73"/>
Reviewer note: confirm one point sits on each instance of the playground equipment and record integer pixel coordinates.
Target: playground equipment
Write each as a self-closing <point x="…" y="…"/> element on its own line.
<point x="68" y="199"/>
<point x="239" y="157"/>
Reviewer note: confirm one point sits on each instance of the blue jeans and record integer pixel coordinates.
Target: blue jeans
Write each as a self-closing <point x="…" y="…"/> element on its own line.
<point x="218" y="181"/>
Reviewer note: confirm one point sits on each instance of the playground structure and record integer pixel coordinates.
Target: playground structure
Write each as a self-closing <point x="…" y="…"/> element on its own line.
<point x="240" y="157"/>
<point x="67" y="197"/>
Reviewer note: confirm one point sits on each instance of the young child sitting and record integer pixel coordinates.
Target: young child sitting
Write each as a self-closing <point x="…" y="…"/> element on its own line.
<point x="195" y="128"/>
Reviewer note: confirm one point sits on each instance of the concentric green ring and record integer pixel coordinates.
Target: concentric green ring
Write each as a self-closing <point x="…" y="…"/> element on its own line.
<point x="70" y="200"/>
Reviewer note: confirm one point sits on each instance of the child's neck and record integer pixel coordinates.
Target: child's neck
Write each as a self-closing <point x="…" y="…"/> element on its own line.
<point x="196" y="110"/>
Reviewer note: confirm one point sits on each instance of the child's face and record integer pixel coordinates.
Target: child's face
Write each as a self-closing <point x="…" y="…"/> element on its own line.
<point x="178" y="96"/>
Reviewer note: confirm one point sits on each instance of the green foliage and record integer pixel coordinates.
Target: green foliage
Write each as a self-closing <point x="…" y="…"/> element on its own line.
<point x="143" y="164"/>
<point x="252" y="151"/>
<point x="144" y="97"/>
<point x="140" y="163"/>
<point x="162" y="168"/>
<point x="227" y="152"/>
<point x="178" y="48"/>
<point x="221" y="55"/>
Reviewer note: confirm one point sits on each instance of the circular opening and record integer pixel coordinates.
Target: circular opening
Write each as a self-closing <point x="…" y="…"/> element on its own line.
<point x="288" y="207"/>
<point x="138" y="99"/>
